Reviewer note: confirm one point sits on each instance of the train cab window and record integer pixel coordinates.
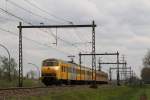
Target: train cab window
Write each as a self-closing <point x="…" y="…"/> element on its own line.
<point x="50" y="63"/>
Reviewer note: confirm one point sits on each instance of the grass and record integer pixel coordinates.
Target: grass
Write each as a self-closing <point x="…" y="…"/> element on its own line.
<point x="102" y="93"/>
<point x="14" y="83"/>
<point x="6" y="83"/>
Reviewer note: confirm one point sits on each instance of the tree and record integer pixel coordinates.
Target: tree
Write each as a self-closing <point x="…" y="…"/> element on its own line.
<point x="4" y="67"/>
<point x="146" y="60"/>
<point x="145" y="73"/>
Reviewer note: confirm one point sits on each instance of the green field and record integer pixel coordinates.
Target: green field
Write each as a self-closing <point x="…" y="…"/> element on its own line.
<point x="102" y="93"/>
<point x="14" y="83"/>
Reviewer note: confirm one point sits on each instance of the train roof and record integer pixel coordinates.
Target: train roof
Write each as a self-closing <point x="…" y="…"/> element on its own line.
<point x="82" y="67"/>
<point x="52" y="59"/>
<point x="55" y="59"/>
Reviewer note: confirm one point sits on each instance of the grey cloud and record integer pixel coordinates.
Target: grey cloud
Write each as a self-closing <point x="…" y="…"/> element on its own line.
<point x="122" y="25"/>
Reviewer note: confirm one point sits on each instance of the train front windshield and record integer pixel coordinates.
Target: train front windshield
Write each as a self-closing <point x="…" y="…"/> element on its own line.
<point x="50" y="63"/>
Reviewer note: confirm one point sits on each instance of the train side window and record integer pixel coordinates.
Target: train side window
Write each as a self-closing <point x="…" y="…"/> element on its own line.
<point x="82" y="72"/>
<point x="73" y="70"/>
<point x="62" y="69"/>
<point x="68" y="70"/>
<point x="78" y="71"/>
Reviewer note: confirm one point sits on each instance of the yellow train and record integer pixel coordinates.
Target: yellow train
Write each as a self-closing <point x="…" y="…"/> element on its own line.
<point x="55" y="71"/>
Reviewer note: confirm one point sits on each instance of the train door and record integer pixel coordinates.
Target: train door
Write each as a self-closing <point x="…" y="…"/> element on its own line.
<point x="73" y="72"/>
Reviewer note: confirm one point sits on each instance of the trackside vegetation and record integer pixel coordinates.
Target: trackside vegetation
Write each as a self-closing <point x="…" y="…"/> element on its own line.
<point x="102" y="93"/>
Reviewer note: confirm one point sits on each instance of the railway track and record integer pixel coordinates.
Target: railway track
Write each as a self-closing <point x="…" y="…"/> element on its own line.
<point x="37" y="91"/>
<point x="21" y="88"/>
<point x="23" y="91"/>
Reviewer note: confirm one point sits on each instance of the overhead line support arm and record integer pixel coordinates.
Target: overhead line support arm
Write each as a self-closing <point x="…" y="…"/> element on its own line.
<point x="56" y="26"/>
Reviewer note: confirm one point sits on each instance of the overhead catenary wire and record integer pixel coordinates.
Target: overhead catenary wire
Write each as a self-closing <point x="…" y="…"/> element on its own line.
<point x="6" y="5"/>
<point x="75" y="30"/>
<point x="51" y="15"/>
<point x="33" y="13"/>
<point x="13" y="33"/>
<point x="13" y="15"/>
<point x="35" y="6"/>
<point x="5" y="19"/>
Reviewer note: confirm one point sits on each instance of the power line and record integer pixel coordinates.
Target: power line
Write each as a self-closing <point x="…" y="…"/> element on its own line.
<point x="5" y="19"/>
<point x="75" y="30"/>
<point x="30" y="23"/>
<point x="11" y="14"/>
<point x="13" y="3"/>
<point x="67" y="42"/>
<point x="34" y="5"/>
<point x="10" y="32"/>
<point x="53" y="16"/>
<point x="72" y="44"/>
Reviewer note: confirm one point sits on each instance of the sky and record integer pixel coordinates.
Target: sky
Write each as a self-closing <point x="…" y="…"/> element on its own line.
<point x="122" y="25"/>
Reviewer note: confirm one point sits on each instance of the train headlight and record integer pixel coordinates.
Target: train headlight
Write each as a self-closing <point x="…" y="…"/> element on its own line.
<point x="56" y="68"/>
